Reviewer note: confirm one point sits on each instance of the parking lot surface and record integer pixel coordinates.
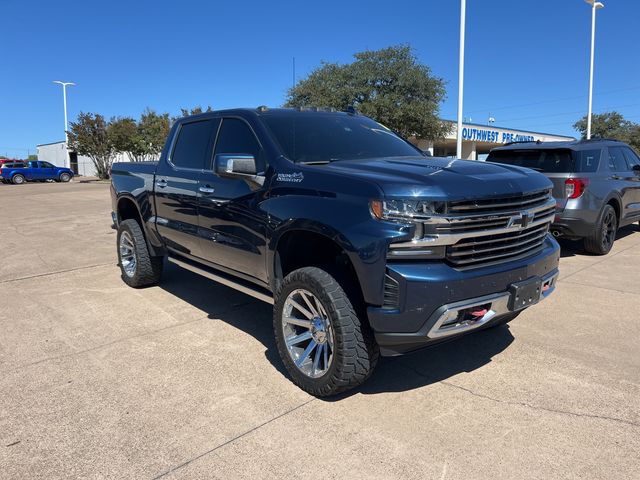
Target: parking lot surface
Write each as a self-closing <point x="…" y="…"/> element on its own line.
<point x="183" y="380"/>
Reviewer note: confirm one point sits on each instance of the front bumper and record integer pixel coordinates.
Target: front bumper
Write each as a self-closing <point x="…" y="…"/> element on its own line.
<point x="431" y="292"/>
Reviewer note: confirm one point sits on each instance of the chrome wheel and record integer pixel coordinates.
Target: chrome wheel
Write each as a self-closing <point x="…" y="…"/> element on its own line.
<point x="307" y="333"/>
<point x="127" y="254"/>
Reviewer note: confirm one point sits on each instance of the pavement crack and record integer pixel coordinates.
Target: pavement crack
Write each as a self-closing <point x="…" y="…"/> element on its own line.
<point x="108" y="344"/>
<point x="38" y="275"/>
<point x="231" y="440"/>
<point x="537" y="407"/>
<point x="524" y="404"/>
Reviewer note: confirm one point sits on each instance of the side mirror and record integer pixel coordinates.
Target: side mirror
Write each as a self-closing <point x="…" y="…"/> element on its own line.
<point x="238" y="166"/>
<point x="636" y="168"/>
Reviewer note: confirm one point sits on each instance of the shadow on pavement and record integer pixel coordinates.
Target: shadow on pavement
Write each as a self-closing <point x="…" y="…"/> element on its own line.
<point x="571" y="248"/>
<point x="397" y="374"/>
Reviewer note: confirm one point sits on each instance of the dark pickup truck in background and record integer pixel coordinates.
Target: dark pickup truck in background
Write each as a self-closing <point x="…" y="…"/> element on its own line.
<point x="363" y="245"/>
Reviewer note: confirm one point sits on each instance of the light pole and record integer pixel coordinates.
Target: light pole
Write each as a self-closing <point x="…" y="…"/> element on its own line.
<point x="64" y="97"/>
<point x="463" y="7"/>
<point x="594" y="6"/>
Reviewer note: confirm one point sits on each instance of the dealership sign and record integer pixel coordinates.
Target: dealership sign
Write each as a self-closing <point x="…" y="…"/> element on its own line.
<point x="494" y="136"/>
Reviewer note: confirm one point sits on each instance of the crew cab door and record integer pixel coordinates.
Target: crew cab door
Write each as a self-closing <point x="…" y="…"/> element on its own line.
<point x="33" y="171"/>
<point x="232" y="225"/>
<point x="626" y="182"/>
<point x="176" y="185"/>
<point x="46" y="171"/>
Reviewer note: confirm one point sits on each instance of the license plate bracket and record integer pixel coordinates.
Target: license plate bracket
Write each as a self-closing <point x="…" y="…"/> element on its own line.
<point x="524" y="294"/>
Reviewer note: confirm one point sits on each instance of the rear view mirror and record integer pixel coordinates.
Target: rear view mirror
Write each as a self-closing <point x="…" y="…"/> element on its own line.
<point x="238" y="166"/>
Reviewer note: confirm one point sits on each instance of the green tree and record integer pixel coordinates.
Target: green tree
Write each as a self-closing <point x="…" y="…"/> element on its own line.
<point x="32" y="157"/>
<point x="124" y="134"/>
<point x="389" y="85"/>
<point x="185" y="112"/>
<point x="611" y="125"/>
<point x="153" y="129"/>
<point x="89" y="136"/>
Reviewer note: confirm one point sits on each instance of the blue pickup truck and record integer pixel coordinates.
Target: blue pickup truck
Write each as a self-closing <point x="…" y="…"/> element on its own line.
<point x="34" y="170"/>
<point x="362" y="244"/>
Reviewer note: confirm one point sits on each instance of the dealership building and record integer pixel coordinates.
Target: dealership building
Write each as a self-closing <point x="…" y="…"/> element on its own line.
<point x="477" y="142"/>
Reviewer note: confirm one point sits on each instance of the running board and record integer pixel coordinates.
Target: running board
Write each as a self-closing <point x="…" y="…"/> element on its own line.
<point x="254" y="292"/>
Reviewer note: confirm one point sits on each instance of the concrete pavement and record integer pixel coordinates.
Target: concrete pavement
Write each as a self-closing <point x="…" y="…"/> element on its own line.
<point x="183" y="380"/>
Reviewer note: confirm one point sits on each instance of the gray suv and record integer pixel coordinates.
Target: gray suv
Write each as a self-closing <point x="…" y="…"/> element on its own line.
<point x="596" y="184"/>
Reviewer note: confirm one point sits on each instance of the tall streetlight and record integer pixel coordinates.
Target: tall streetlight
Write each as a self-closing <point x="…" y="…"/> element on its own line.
<point x="463" y="7"/>
<point x="64" y="97"/>
<point x="594" y="6"/>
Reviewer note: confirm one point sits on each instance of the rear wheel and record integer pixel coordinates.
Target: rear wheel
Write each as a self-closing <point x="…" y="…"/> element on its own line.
<point x="138" y="267"/>
<point x="601" y="241"/>
<point x="18" y="179"/>
<point x="323" y="344"/>
<point x="65" y="177"/>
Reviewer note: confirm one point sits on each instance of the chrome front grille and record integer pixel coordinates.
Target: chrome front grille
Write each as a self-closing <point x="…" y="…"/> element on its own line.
<point x="495" y="205"/>
<point x="475" y="233"/>
<point x="473" y="251"/>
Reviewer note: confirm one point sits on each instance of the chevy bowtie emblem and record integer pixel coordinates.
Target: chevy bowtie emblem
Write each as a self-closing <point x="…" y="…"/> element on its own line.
<point x="522" y="220"/>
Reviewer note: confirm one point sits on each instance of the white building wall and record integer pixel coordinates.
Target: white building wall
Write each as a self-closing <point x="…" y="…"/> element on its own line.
<point x="56" y="153"/>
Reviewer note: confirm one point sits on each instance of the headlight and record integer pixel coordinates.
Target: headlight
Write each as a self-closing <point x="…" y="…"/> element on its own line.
<point x="413" y="211"/>
<point x="406" y="209"/>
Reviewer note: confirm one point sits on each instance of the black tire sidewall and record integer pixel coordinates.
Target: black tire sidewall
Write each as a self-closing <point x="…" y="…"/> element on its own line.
<point x="147" y="272"/>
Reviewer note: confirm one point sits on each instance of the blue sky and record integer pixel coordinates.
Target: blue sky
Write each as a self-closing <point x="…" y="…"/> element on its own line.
<point x="526" y="62"/>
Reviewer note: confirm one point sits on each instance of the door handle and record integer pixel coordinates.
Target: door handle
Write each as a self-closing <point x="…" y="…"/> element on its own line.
<point x="161" y="183"/>
<point x="206" y="190"/>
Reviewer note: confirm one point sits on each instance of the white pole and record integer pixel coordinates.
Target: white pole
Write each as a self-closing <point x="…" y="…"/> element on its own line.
<point x="64" y="99"/>
<point x="463" y="4"/>
<point x="66" y="124"/>
<point x="594" y="6"/>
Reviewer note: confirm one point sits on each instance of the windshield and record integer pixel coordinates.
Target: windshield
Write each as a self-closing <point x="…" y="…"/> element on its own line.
<point x="320" y="137"/>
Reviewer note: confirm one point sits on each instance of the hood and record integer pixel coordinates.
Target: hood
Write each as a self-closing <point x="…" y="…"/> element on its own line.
<point x="442" y="178"/>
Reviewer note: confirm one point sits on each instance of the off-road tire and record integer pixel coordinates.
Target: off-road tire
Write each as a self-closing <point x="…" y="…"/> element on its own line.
<point x="148" y="269"/>
<point x="355" y="350"/>
<point x="20" y="179"/>
<point x="600" y="242"/>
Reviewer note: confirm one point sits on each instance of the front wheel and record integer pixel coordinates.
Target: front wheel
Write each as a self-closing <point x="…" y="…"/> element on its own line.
<point x="18" y="179"/>
<point x="323" y="344"/>
<point x="601" y="241"/>
<point x="138" y="267"/>
<point x="65" y="177"/>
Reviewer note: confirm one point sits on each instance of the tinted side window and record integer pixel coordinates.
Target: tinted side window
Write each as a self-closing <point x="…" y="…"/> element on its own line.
<point x="587" y="160"/>
<point x="45" y="165"/>
<point x="617" y="163"/>
<point x="632" y="158"/>
<point x="236" y="137"/>
<point x="192" y="144"/>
